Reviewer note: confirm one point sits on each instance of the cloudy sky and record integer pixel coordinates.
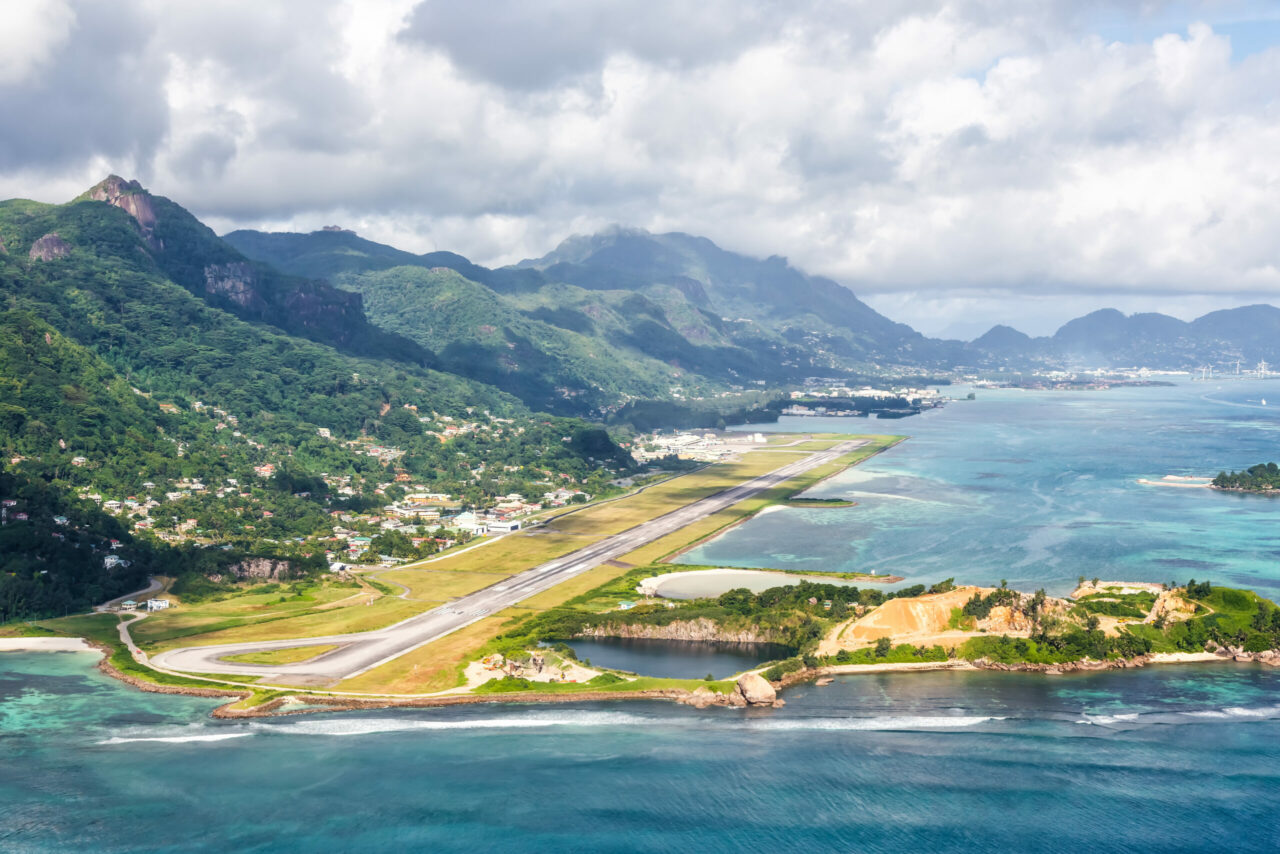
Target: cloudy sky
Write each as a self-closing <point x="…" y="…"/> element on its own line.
<point x="955" y="163"/>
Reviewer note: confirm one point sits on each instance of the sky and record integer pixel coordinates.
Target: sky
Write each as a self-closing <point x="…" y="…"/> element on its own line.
<point x="957" y="163"/>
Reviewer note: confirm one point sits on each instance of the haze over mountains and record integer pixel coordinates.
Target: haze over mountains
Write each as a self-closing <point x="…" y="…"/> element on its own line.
<point x="1108" y="338"/>
<point x="625" y="313"/>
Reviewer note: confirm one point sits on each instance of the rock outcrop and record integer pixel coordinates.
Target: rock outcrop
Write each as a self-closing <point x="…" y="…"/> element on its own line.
<point x="701" y="629"/>
<point x="256" y="568"/>
<point x="703" y="697"/>
<point x="755" y="690"/>
<point x="130" y="197"/>
<point x="237" y="281"/>
<point x="49" y="248"/>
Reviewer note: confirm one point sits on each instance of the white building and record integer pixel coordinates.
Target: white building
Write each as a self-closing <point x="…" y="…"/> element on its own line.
<point x="157" y="604"/>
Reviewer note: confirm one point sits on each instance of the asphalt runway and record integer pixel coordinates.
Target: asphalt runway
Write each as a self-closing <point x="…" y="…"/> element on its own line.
<point x="363" y="651"/>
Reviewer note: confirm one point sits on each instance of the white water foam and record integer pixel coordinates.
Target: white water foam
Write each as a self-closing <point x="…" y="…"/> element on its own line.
<point x="369" y="726"/>
<point x="176" y="739"/>
<point x="1177" y="716"/>
<point x="878" y="724"/>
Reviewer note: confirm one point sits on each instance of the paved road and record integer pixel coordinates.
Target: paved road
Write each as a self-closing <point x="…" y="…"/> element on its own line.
<point x="364" y="651"/>
<point x="155" y="586"/>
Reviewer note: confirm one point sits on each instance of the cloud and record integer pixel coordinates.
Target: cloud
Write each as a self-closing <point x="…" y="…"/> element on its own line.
<point x="921" y="152"/>
<point x="81" y="83"/>
<point x="31" y="32"/>
<point x="521" y="45"/>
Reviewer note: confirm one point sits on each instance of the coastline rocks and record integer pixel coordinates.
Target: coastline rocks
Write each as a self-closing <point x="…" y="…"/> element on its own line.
<point x="755" y="690"/>
<point x="703" y="697"/>
<point x="1059" y="669"/>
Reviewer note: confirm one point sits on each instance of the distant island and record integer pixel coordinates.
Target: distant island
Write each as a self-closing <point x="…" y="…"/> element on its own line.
<point x="1264" y="478"/>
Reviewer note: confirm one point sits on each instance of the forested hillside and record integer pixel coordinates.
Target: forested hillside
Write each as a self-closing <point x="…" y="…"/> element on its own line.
<point x="196" y="415"/>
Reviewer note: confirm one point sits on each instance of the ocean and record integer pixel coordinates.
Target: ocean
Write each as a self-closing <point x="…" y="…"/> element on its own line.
<point x="1035" y="487"/>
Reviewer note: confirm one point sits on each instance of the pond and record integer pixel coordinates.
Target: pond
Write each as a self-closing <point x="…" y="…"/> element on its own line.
<point x="674" y="659"/>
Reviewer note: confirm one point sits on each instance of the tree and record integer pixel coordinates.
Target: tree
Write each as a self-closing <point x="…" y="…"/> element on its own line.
<point x="883" y="646"/>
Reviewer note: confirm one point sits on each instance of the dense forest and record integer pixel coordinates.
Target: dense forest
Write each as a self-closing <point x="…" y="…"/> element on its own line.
<point x="1259" y="478"/>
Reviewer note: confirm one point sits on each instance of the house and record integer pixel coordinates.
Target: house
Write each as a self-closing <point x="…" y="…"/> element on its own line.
<point x="157" y="604"/>
<point x="60" y="520"/>
<point x="128" y="605"/>
<point x="78" y="461"/>
<point x="112" y="561"/>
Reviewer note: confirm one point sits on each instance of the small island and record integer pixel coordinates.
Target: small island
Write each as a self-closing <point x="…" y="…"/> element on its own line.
<point x="1262" y="478"/>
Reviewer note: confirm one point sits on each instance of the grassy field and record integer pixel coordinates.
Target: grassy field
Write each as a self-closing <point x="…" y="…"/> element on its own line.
<point x="293" y="655"/>
<point x="437" y="666"/>
<point x="356" y="618"/>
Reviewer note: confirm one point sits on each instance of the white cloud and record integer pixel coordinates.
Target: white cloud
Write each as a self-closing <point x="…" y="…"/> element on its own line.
<point x="32" y="31"/>
<point x="921" y="152"/>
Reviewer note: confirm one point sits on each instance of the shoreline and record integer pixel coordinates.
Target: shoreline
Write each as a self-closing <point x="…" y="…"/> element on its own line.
<point x="317" y="703"/>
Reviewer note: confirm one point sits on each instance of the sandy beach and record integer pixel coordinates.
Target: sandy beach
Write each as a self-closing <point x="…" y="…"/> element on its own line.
<point x="846" y="669"/>
<point x="1183" y="657"/>
<point x="46" y="644"/>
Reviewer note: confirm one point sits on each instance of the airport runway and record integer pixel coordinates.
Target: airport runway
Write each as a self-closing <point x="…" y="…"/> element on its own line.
<point x="363" y="651"/>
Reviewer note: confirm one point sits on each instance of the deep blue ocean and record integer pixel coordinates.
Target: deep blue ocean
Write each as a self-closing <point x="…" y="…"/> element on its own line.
<point x="1033" y="487"/>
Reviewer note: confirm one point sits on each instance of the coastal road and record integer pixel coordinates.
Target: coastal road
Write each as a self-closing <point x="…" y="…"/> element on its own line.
<point x="363" y="651"/>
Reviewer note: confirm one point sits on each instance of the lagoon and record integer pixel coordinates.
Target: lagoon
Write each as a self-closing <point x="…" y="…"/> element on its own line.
<point x="709" y="583"/>
<point x="1038" y="488"/>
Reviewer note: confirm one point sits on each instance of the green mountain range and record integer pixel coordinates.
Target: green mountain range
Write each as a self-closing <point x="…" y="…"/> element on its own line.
<point x="605" y="320"/>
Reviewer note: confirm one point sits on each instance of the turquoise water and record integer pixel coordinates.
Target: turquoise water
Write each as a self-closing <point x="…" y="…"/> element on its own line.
<point x="1033" y="487"/>
<point x="1174" y="759"/>
<point x="1040" y="488"/>
<point x="701" y="585"/>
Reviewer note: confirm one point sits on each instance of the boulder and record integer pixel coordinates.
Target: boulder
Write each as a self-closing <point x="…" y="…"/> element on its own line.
<point x="755" y="690"/>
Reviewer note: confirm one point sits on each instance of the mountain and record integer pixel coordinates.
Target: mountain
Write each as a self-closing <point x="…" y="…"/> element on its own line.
<point x="190" y="254"/>
<point x="1109" y="338"/>
<point x="1001" y="342"/>
<point x="150" y="369"/>
<point x="609" y="318"/>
